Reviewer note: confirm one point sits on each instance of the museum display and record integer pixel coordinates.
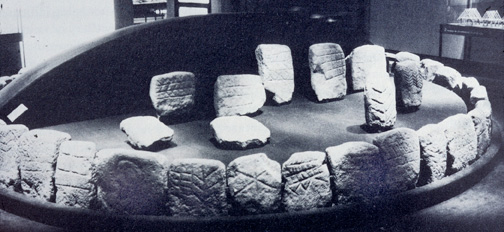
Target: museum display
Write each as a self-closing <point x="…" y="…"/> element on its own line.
<point x="219" y="152"/>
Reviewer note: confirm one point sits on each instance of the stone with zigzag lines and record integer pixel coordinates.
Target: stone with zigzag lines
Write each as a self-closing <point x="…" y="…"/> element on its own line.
<point x="380" y="102"/>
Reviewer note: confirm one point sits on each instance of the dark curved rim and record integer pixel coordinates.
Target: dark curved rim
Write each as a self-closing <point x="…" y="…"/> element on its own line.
<point x="336" y="217"/>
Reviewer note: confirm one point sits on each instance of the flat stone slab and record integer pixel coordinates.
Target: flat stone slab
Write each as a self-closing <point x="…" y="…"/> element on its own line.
<point x="238" y="94"/>
<point x="145" y="132"/>
<point x="197" y="187"/>
<point x="9" y="137"/>
<point x="401" y="154"/>
<point x="306" y="179"/>
<point x="357" y="171"/>
<point x="277" y="71"/>
<point x="130" y="182"/>
<point x="408" y="84"/>
<point x="38" y="151"/>
<point x="365" y="61"/>
<point x="481" y="116"/>
<point x="433" y="153"/>
<point x="73" y="174"/>
<point x="328" y="71"/>
<point x="239" y="132"/>
<point x="448" y="77"/>
<point x="380" y="102"/>
<point x="255" y="182"/>
<point x="462" y="141"/>
<point x="428" y="67"/>
<point x="173" y="93"/>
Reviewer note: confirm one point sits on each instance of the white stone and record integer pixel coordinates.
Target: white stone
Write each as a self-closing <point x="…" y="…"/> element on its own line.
<point x="428" y="67"/>
<point x="328" y="71"/>
<point x="462" y="141"/>
<point x="239" y="132"/>
<point x="478" y="93"/>
<point x="238" y="94"/>
<point x="481" y="116"/>
<point x="433" y="153"/>
<point x="173" y="93"/>
<point x="448" y="78"/>
<point x="255" y="182"/>
<point x="380" y="102"/>
<point x="9" y="137"/>
<point x="145" y="132"/>
<point x="277" y="70"/>
<point x="408" y="84"/>
<point x="366" y="61"/>
<point x="403" y="56"/>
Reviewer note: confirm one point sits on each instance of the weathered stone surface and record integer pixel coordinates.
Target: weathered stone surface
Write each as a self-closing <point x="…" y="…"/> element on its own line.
<point x="448" y="78"/>
<point x="478" y="93"/>
<point x="145" y="132"/>
<point x="173" y="93"/>
<point x="73" y="174"/>
<point x="366" y="61"/>
<point x="469" y="83"/>
<point x="462" y="142"/>
<point x="255" y="182"/>
<point x="197" y="187"/>
<point x="408" y="84"/>
<point x="433" y="154"/>
<point x="277" y="71"/>
<point x="481" y="116"/>
<point x="380" y="102"/>
<point x="239" y="132"/>
<point x="401" y="154"/>
<point x="404" y="56"/>
<point x="357" y="170"/>
<point x="38" y="151"/>
<point x="307" y="183"/>
<point x="428" y="67"/>
<point x="9" y="136"/>
<point x="130" y="182"/>
<point x="328" y="71"/>
<point x="2" y="122"/>
<point x="238" y="94"/>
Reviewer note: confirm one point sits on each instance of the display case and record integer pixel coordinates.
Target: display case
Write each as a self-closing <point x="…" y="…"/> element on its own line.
<point x="11" y="39"/>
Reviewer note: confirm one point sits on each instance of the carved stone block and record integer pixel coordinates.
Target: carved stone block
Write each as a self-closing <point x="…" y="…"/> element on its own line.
<point x="130" y="182"/>
<point x="145" y="132"/>
<point x="197" y="187"/>
<point x="239" y="132"/>
<point x="9" y="137"/>
<point x="238" y="95"/>
<point x="428" y="67"/>
<point x="433" y="153"/>
<point x="448" y="78"/>
<point x="401" y="154"/>
<point x="328" y="71"/>
<point x="462" y="141"/>
<point x="404" y="56"/>
<point x="478" y="93"/>
<point x="173" y="93"/>
<point x="73" y="174"/>
<point x="255" y="182"/>
<point x="380" y="102"/>
<point x="408" y="84"/>
<point x="277" y="71"/>
<point x="365" y="62"/>
<point x="38" y="151"/>
<point x="307" y="183"/>
<point x="481" y="116"/>
<point x="357" y="171"/>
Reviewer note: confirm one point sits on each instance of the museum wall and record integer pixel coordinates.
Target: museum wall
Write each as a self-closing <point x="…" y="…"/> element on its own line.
<point x="411" y="25"/>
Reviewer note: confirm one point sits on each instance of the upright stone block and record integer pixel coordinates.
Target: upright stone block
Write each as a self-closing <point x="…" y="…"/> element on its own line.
<point x="197" y="187"/>
<point x="38" y="151"/>
<point x="380" y="102"/>
<point x="277" y="71"/>
<point x="365" y="62"/>
<point x="73" y="174"/>
<point x="307" y="183"/>
<point x="479" y="93"/>
<point x="9" y="137"/>
<point x="255" y="182"/>
<point x="401" y="154"/>
<point x="428" y="67"/>
<point x="404" y="56"/>
<point x="328" y="71"/>
<point x="448" y="78"/>
<point x="173" y="93"/>
<point x="433" y="153"/>
<point x="481" y="116"/>
<point x="238" y="94"/>
<point x="130" y="182"/>
<point x="408" y="84"/>
<point x="357" y="171"/>
<point x="462" y="142"/>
